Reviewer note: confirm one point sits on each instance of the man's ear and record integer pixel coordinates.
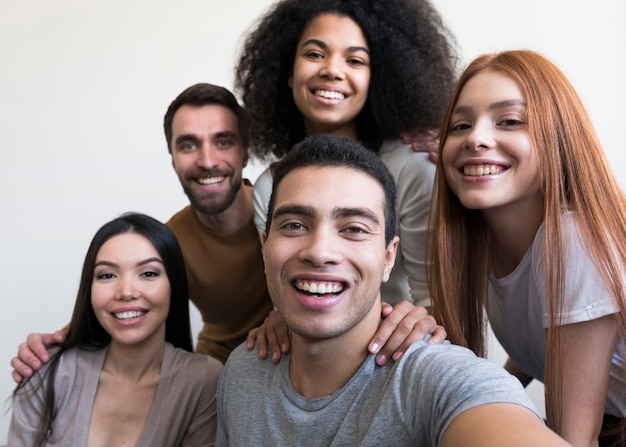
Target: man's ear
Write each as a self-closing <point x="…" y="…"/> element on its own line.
<point x="390" y="257"/>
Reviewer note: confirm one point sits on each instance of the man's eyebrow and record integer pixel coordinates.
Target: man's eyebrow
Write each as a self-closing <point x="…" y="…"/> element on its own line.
<point x="323" y="45"/>
<point x="339" y="212"/>
<point x="186" y="137"/>
<point x="342" y="212"/>
<point x="195" y="138"/>
<point x="301" y="210"/>
<point x="226" y="134"/>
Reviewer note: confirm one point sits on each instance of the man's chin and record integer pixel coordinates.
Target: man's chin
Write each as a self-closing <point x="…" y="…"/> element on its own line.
<point x="210" y="208"/>
<point x="213" y="205"/>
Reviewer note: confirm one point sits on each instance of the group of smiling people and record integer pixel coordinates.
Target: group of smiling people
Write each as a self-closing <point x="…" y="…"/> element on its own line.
<point x="519" y="218"/>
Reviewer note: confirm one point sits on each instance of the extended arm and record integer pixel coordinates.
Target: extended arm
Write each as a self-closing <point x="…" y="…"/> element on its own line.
<point x="499" y="425"/>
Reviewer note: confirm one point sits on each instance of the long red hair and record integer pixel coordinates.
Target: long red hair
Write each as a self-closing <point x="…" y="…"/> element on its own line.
<point x="574" y="175"/>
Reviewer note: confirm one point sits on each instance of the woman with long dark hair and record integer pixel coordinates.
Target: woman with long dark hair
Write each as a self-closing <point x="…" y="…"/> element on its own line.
<point x="126" y="373"/>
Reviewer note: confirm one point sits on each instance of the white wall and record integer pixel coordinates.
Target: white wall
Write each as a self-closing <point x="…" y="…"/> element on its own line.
<point x="84" y="85"/>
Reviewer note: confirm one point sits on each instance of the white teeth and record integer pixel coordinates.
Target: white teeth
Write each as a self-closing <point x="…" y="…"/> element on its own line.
<point x="320" y="288"/>
<point x="477" y="171"/>
<point x="129" y="314"/>
<point x="211" y="180"/>
<point x="329" y="94"/>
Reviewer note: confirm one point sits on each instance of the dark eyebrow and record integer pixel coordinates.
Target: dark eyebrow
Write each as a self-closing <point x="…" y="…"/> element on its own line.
<point x="140" y="263"/>
<point x="338" y="213"/>
<point x="293" y="209"/>
<point x="356" y="212"/>
<point x="323" y="45"/>
<point x="226" y="134"/>
<point x="185" y="137"/>
<point x="195" y="139"/>
<point x="496" y="105"/>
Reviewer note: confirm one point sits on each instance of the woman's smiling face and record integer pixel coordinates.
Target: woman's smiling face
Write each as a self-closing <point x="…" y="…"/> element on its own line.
<point x="331" y="75"/>
<point x="488" y="158"/>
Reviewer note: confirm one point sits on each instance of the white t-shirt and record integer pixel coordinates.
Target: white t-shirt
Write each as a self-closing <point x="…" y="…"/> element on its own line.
<point x="517" y="308"/>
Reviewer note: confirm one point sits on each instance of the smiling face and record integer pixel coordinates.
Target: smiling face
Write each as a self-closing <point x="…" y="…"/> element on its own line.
<point x="208" y="156"/>
<point x="488" y="158"/>
<point x="325" y="255"/>
<point x="331" y="75"/>
<point x="130" y="292"/>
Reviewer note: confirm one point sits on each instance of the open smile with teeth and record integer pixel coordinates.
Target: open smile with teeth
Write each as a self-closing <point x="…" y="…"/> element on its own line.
<point x="129" y="315"/>
<point x="477" y="171"/>
<point x="329" y="94"/>
<point x="211" y="180"/>
<point x="319" y="288"/>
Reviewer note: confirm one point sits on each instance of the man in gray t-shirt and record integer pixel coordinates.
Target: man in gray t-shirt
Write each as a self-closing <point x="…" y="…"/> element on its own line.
<point x="329" y="244"/>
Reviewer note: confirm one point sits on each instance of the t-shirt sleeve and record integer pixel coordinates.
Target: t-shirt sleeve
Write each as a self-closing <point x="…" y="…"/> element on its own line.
<point x="260" y="198"/>
<point x="585" y="295"/>
<point x="450" y="380"/>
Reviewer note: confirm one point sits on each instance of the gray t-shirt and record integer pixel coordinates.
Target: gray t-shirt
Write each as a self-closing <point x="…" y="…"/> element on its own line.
<point x="408" y="403"/>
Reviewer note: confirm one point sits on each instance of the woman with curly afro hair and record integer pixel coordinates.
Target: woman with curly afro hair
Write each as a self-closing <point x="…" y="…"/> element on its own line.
<point x="361" y="69"/>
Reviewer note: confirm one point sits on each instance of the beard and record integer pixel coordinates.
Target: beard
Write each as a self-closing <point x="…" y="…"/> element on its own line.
<point x="211" y="203"/>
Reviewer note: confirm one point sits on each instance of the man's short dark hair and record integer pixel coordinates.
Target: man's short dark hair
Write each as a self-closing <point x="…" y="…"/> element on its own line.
<point x="331" y="151"/>
<point x="204" y="94"/>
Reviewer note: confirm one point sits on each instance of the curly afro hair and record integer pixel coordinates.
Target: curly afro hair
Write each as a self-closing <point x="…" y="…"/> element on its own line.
<point x="413" y="70"/>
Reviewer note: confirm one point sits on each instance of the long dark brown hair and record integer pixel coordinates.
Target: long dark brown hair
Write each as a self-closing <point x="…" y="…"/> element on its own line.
<point x="86" y="332"/>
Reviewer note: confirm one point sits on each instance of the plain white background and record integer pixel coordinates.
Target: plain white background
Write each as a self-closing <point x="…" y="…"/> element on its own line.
<point x="84" y="85"/>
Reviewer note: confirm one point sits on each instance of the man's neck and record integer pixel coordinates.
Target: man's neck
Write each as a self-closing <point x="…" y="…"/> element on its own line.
<point x="234" y="217"/>
<point x="318" y="368"/>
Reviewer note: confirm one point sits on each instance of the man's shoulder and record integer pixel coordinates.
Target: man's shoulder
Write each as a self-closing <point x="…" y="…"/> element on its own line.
<point x="245" y="367"/>
<point x="182" y="217"/>
<point x="421" y="360"/>
<point x="242" y="356"/>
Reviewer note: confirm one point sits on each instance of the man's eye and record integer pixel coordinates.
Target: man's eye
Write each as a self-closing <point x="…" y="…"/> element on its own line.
<point x="355" y="230"/>
<point x="293" y="226"/>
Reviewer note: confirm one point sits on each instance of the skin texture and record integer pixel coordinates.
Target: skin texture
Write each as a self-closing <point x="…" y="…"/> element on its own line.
<point x="331" y="75"/>
<point x="488" y="131"/>
<point x="208" y="158"/>
<point x="326" y="231"/>
<point x="499" y="425"/>
<point x="130" y="278"/>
